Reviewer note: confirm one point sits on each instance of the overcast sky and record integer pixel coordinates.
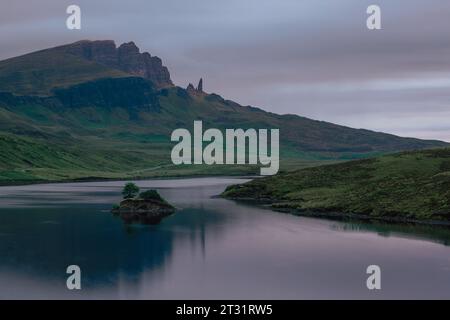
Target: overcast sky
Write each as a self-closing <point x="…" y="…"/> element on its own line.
<point x="315" y="58"/>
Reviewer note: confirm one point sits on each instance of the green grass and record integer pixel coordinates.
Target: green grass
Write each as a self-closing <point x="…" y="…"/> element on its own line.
<point x="44" y="143"/>
<point x="403" y="186"/>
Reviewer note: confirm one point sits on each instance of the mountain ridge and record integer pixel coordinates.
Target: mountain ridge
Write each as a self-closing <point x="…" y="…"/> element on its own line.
<point x="39" y="72"/>
<point x="126" y="57"/>
<point x="77" y="105"/>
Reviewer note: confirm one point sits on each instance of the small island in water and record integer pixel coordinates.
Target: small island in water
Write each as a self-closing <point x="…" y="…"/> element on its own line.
<point x="146" y="208"/>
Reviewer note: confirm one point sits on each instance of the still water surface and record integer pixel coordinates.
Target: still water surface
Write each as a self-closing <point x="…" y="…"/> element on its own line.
<point x="211" y="248"/>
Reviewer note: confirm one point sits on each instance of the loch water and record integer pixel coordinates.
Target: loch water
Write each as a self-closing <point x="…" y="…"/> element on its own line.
<point x="211" y="248"/>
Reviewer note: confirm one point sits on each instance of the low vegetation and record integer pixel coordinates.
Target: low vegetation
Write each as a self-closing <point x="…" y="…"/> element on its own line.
<point x="150" y="195"/>
<point x="146" y="208"/>
<point x="411" y="186"/>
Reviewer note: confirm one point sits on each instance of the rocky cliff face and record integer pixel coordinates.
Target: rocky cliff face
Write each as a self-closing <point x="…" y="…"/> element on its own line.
<point x="126" y="58"/>
<point x="132" y="93"/>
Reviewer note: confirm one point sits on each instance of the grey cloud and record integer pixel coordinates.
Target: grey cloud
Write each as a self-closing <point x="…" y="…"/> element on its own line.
<point x="313" y="58"/>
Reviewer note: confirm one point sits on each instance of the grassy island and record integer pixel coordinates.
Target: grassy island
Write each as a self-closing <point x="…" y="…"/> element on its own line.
<point x="147" y="208"/>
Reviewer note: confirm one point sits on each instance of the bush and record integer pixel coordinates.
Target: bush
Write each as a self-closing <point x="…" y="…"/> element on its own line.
<point x="130" y="190"/>
<point x="150" y="195"/>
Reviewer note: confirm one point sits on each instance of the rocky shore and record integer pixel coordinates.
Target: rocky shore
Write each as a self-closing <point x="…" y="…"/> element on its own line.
<point x="144" y="211"/>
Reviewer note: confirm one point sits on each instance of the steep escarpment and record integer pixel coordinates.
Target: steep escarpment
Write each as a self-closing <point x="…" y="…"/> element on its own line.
<point x="39" y="73"/>
<point x="127" y="57"/>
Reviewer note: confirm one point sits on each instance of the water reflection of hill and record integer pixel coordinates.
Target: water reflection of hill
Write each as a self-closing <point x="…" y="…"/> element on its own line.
<point x="42" y="242"/>
<point x="434" y="233"/>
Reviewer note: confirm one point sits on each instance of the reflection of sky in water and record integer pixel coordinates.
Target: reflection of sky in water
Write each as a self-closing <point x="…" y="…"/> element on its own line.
<point x="55" y="194"/>
<point x="211" y="248"/>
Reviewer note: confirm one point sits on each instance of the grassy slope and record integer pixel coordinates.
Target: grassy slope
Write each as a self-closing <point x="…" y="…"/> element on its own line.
<point x="299" y="133"/>
<point x="39" y="72"/>
<point x="31" y="160"/>
<point x="40" y="144"/>
<point x="105" y="143"/>
<point x="28" y="160"/>
<point x="408" y="185"/>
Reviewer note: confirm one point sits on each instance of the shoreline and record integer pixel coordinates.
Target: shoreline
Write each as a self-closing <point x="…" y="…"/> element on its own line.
<point x="333" y="215"/>
<point x="262" y="203"/>
<point x="100" y="179"/>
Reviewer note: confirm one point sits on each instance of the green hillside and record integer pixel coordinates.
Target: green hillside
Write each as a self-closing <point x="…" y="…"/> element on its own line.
<point x="39" y="72"/>
<point x="403" y="186"/>
<point x="65" y="117"/>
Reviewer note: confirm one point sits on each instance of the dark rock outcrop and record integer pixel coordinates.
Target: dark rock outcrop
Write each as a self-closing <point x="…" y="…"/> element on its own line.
<point x="190" y="88"/>
<point x="126" y="58"/>
<point x="196" y="91"/>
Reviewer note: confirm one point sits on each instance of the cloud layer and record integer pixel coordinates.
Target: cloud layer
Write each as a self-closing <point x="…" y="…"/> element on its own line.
<point x="308" y="57"/>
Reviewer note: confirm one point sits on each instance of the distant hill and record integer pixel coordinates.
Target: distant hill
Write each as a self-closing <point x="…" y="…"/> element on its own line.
<point x="91" y="110"/>
<point x="408" y="186"/>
